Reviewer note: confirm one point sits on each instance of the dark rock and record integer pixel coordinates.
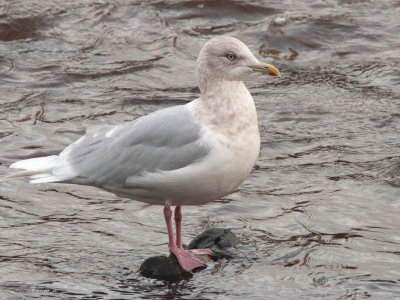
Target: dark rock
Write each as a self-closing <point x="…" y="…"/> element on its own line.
<point x="164" y="268"/>
<point x="221" y="241"/>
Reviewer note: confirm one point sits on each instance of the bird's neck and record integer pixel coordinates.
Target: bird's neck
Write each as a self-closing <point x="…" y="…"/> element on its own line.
<point x="227" y="107"/>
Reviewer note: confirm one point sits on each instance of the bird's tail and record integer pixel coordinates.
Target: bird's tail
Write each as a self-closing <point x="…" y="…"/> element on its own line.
<point x="38" y="169"/>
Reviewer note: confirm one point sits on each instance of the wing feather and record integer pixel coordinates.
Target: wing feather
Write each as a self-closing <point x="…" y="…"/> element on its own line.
<point x="165" y="140"/>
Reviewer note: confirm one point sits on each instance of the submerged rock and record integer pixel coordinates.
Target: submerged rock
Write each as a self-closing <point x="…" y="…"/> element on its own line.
<point x="220" y="240"/>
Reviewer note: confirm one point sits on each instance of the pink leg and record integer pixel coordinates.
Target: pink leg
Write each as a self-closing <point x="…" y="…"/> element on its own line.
<point x="186" y="258"/>
<point x="167" y="217"/>
<point x="178" y="222"/>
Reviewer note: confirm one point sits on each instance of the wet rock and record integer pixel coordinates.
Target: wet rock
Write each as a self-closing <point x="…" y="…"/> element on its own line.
<point x="220" y="240"/>
<point x="164" y="268"/>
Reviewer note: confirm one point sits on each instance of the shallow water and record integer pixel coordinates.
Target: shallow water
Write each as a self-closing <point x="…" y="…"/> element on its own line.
<point x="318" y="217"/>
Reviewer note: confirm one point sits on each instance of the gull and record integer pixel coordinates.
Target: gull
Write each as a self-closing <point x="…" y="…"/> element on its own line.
<point x="189" y="154"/>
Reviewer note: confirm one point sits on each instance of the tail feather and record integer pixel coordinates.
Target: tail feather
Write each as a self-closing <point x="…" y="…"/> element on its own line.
<point x="39" y="169"/>
<point x="37" y="164"/>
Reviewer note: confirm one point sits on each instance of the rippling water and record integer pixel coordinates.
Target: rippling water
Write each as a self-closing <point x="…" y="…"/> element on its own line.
<point x="318" y="218"/>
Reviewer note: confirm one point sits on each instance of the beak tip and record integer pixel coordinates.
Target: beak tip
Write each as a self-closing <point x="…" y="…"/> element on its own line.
<point x="275" y="74"/>
<point x="267" y="69"/>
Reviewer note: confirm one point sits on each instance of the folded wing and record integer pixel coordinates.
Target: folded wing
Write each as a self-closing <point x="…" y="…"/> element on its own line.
<point x="165" y="140"/>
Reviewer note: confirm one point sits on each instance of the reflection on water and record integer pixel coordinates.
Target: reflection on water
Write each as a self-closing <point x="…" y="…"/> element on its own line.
<point x="318" y="216"/>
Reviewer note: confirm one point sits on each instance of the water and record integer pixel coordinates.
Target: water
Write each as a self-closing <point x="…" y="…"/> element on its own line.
<point x="318" y="218"/>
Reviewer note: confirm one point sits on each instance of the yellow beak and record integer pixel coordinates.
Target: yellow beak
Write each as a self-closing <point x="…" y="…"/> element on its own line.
<point x="267" y="69"/>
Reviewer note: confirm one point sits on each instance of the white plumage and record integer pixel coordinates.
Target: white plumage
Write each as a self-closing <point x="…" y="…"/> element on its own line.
<point x="182" y="155"/>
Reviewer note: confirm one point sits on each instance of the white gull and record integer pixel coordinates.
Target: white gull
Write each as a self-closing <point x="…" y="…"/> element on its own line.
<point x="183" y="155"/>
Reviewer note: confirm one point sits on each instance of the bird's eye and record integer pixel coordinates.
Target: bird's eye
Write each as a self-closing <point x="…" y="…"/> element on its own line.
<point x="231" y="56"/>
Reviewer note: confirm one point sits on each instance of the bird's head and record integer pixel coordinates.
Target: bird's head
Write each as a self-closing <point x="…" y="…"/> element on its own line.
<point x="229" y="59"/>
